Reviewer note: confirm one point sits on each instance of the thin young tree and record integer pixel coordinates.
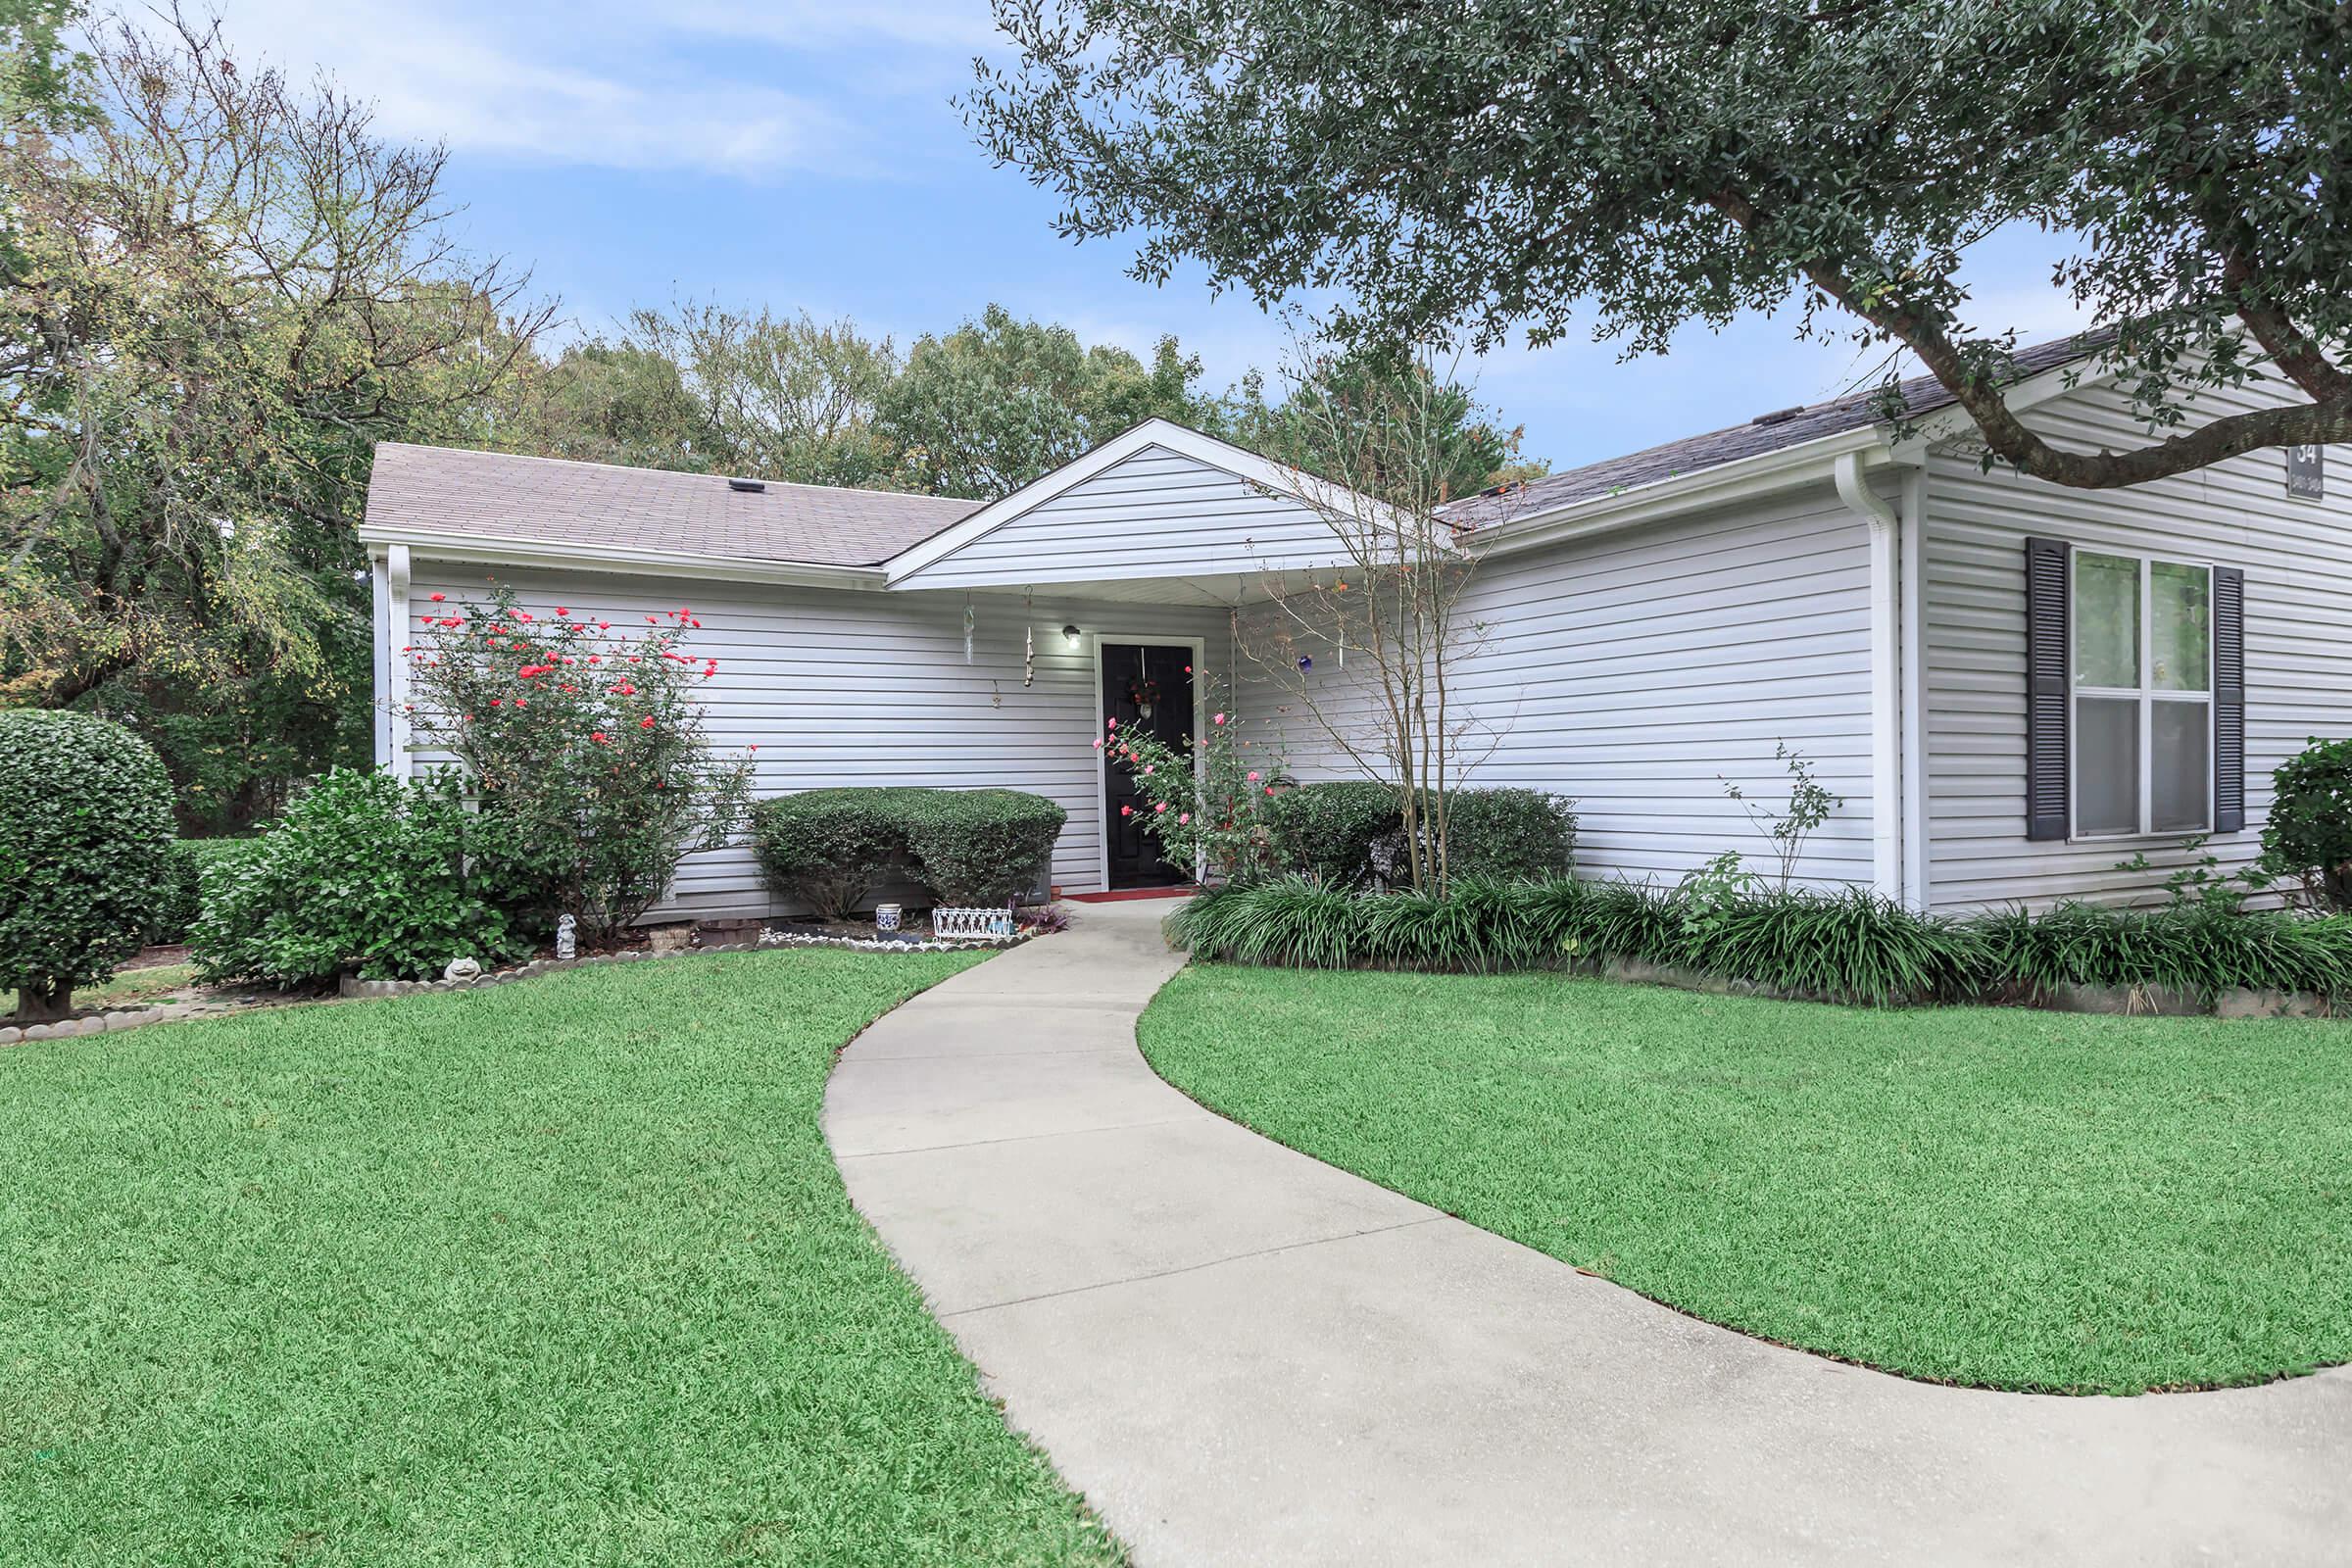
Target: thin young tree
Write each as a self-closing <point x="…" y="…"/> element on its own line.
<point x="1370" y="652"/>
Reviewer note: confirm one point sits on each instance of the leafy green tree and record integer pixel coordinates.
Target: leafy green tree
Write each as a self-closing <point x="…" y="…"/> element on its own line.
<point x="782" y="398"/>
<point x="1492" y="168"/>
<point x="604" y="401"/>
<point x="992" y="405"/>
<point x="223" y="292"/>
<point x="1316" y="424"/>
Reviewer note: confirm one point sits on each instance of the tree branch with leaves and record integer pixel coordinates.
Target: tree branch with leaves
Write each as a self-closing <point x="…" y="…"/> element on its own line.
<point x="1495" y="169"/>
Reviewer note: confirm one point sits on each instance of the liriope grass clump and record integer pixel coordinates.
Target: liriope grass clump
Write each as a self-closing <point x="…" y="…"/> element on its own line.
<point x="2191" y="948"/>
<point x="1850" y="946"/>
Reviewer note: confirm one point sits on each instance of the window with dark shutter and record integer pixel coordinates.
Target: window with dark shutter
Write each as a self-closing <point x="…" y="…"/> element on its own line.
<point x="2228" y="699"/>
<point x="2045" y="688"/>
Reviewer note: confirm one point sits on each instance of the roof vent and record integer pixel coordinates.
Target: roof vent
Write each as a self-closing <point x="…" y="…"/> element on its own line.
<point x="750" y="487"/>
<point x="1777" y="416"/>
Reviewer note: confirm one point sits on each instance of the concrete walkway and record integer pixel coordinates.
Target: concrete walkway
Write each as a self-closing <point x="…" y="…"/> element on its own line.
<point x="1242" y="1356"/>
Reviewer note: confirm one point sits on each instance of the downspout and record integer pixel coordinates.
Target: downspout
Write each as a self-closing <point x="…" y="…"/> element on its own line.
<point x="1886" y="813"/>
<point x="1917" y="891"/>
<point x="396" y="685"/>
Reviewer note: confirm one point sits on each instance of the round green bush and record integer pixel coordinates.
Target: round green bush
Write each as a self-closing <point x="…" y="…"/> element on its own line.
<point x="1325" y="832"/>
<point x="981" y="847"/>
<point x="85" y="825"/>
<point x="2309" y="834"/>
<point x="827" y="848"/>
<point x="1508" y="835"/>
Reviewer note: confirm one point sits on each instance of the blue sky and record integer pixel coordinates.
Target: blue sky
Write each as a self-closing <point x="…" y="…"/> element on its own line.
<point x="804" y="156"/>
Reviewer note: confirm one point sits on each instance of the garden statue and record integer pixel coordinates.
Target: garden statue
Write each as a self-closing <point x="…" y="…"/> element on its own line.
<point x="462" y="971"/>
<point x="567" y="941"/>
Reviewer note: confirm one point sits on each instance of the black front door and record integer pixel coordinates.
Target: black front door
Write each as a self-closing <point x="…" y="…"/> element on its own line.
<point x="1149" y="688"/>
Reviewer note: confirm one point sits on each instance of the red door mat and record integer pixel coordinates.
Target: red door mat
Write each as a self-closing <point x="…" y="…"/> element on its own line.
<point x="1185" y="890"/>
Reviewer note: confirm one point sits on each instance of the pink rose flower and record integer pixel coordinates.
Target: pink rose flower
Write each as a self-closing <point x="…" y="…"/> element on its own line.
<point x="1182" y="817"/>
<point x="1218" y="719"/>
<point x="1161" y="808"/>
<point x="1254" y="775"/>
<point x="1097" y="742"/>
<point x="1126" y="810"/>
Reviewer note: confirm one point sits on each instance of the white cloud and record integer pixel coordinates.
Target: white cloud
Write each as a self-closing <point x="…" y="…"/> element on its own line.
<point x="605" y="85"/>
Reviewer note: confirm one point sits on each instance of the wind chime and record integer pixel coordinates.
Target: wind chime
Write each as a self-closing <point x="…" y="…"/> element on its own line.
<point x="969" y="623"/>
<point x="1028" y="636"/>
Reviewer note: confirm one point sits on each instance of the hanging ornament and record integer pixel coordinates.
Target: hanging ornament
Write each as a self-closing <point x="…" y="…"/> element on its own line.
<point x="967" y="631"/>
<point x="1029" y="637"/>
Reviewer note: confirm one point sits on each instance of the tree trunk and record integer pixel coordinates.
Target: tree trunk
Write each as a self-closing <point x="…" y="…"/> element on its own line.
<point x="38" y="1004"/>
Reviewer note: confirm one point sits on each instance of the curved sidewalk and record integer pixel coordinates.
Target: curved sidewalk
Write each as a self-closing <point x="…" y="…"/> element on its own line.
<point x="1242" y="1356"/>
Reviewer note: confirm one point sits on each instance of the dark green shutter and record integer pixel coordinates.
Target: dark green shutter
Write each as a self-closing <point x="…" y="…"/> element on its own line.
<point x="2228" y="699"/>
<point x="2045" y="688"/>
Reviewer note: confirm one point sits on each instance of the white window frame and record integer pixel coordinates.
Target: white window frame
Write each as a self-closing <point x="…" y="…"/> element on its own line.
<point x="2146" y="694"/>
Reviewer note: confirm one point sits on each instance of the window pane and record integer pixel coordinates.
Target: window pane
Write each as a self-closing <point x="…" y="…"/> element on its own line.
<point x="2106" y="621"/>
<point x="2180" y="773"/>
<point x="2180" y="626"/>
<point x="2106" y="766"/>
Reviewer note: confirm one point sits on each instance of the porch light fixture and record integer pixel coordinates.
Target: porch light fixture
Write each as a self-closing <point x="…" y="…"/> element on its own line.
<point x="1070" y="634"/>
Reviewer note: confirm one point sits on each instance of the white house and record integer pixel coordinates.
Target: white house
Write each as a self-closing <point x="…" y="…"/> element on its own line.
<point x="2012" y="686"/>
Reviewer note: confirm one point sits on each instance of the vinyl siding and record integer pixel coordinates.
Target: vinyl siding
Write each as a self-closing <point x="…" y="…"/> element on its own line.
<point x="861" y="687"/>
<point x="1158" y="513"/>
<point x="1638" y="673"/>
<point x="2297" y="558"/>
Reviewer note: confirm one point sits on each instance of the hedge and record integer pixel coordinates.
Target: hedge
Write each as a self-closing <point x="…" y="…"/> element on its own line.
<point x="181" y="897"/>
<point x="364" y="873"/>
<point x="1506" y="835"/>
<point x="1848" y="946"/>
<point x="828" y="848"/>
<point x="85" y="813"/>
<point x="1326" y="832"/>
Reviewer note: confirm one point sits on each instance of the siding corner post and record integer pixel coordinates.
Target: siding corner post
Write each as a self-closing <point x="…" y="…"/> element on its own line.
<point x="1886" y="803"/>
<point x="398" y="574"/>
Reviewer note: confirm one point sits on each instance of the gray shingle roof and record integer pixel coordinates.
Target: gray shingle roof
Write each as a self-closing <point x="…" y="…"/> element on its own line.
<point x="1773" y="432"/>
<point x="496" y="495"/>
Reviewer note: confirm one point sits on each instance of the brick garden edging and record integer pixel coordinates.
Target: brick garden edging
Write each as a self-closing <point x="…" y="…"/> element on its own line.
<point x="356" y="990"/>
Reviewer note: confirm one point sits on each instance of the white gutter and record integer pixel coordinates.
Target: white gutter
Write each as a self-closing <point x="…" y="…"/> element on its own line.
<point x="492" y="551"/>
<point x="1890" y="813"/>
<point x="1723" y="484"/>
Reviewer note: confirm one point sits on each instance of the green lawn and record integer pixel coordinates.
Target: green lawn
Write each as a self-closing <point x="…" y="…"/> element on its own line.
<point x="556" y="1273"/>
<point x="1997" y="1196"/>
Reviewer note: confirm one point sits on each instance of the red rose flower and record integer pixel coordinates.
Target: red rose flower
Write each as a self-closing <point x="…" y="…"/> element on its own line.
<point x="647" y="722"/>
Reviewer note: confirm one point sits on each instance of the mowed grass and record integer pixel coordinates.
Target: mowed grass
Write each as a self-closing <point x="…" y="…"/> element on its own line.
<point x="558" y="1273"/>
<point x="1994" y="1196"/>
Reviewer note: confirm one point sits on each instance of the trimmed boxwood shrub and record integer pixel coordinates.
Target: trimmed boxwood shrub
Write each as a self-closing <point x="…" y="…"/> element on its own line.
<point x="1850" y="946"/>
<point x="2309" y="833"/>
<point x="363" y="872"/>
<point x="85" y="817"/>
<point x="981" y="847"/>
<point x="1326" y="831"/>
<point x="828" y="848"/>
<point x="1505" y="835"/>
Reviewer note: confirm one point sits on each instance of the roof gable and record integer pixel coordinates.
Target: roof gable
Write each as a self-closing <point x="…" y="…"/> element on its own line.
<point x="1159" y="501"/>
